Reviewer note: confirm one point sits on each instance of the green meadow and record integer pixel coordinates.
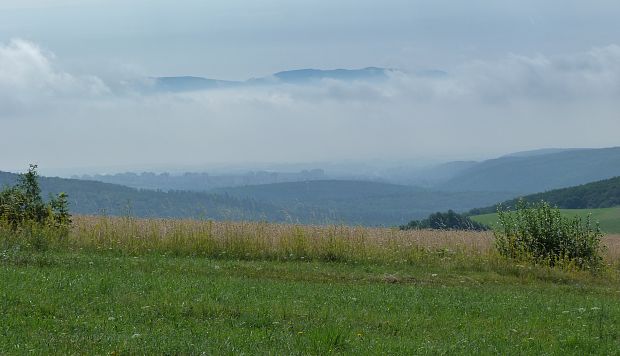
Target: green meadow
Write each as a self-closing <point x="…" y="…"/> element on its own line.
<point x="124" y="286"/>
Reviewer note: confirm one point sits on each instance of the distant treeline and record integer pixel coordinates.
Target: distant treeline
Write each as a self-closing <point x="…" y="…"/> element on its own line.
<point x="445" y="221"/>
<point x="601" y="194"/>
<point x="201" y="181"/>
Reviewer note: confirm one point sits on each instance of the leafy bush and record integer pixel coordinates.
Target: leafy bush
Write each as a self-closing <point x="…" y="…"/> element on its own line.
<point x="539" y="232"/>
<point x="446" y="221"/>
<point x="21" y="206"/>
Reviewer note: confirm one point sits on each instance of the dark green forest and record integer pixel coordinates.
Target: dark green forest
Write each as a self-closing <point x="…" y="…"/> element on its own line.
<point x="445" y="221"/>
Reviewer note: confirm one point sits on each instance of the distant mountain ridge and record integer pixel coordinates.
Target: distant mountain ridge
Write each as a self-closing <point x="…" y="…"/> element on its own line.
<point x="525" y="174"/>
<point x="542" y="151"/>
<point x="200" y="181"/>
<point x="304" y="75"/>
<point x="298" y="76"/>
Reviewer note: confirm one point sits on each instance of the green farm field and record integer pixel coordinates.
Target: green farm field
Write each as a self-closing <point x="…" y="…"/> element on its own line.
<point x="609" y="218"/>
<point x="126" y="286"/>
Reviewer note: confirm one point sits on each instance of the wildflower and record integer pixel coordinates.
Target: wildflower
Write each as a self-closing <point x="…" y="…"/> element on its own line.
<point x="595" y="308"/>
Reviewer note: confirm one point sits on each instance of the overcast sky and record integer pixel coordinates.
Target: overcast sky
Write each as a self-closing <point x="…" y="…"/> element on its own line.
<point x="521" y="75"/>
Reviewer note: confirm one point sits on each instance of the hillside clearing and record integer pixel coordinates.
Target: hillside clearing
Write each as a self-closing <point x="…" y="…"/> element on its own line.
<point x="609" y="218"/>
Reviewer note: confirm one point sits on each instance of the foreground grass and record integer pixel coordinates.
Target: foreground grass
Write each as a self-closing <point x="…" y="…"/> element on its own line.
<point x="99" y="303"/>
<point x="609" y="218"/>
<point x="123" y="286"/>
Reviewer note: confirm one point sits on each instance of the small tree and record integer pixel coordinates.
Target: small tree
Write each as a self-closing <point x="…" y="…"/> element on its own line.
<point x="21" y="205"/>
<point x="446" y="221"/>
<point x="541" y="233"/>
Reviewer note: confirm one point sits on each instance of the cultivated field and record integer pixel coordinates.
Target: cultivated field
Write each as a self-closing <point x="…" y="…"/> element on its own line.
<point x="121" y="285"/>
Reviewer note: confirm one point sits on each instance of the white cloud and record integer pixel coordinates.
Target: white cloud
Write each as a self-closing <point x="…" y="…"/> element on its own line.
<point x="593" y="74"/>
<point x="479" y="108"/>
<point x="28" y="79"/>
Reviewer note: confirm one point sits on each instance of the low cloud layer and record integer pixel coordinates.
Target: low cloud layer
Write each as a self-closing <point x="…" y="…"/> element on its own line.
<point x="481" y="108"/>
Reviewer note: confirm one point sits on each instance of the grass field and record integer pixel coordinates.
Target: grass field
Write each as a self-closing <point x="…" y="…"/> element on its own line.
<point x="609" y="218"/>
<point x="124" y="286"/>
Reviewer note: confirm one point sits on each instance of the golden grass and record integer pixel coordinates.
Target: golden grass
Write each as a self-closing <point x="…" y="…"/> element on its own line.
<point x="255" y="239"/>
<point x="612" y="247"/>
<point x="284" y="241"/>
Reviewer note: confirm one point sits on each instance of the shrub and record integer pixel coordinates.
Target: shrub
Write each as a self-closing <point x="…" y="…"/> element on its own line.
<point x="540" y="233"/>
<point x="446" y="221"/>
<point x="21" y="206"/>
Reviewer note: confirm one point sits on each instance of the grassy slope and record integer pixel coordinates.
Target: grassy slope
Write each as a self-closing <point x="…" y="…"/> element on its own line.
<point x="609" y="218"/>
<point x="103" y="302"/>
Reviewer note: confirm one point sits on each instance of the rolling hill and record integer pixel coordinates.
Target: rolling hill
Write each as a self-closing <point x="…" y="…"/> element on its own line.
<point x="601" y="194"/>
<point x="96" y="198"/>
<point x="359" y="202"/>
<point x="525" y="174"/>
<point x="600" y="199"/>
<point x="309" y="202"/>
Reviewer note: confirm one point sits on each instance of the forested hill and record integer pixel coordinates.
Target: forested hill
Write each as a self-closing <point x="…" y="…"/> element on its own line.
<point x="93" y="198"/>
<point x="362" y="203"/>
<point x="311" y="202"/>
<point x="601" y="194"/>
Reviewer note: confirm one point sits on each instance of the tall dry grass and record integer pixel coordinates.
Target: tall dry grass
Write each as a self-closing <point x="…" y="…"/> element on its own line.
<point x="265" y="240"/>
<point x="612" y="248"/>
<point x="255" y="240"/>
